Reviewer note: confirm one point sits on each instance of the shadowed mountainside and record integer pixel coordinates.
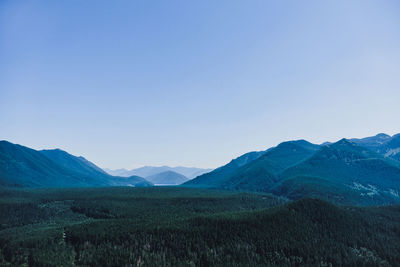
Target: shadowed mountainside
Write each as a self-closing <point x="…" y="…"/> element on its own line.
<point x="343" y="172"/>
<point x="24" y="167"/>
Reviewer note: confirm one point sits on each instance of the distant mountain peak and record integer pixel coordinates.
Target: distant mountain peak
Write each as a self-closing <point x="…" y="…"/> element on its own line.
<point x="344" y="141"/>
<point x="341" y="143"/>
<point x="382" y="135"/>
<point x="297" y="143"/>
<point x="145" y="171"/>
<point x="345" y="148"/>
<point x="167" y="178"/>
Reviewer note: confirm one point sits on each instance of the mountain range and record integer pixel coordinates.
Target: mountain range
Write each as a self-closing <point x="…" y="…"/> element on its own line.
<point x="25" y="167"/>
<point x="386" y="145"/>
<point x="351" y="171"/>
<point x="146" y="171"/>
<point x="355" y="171"/>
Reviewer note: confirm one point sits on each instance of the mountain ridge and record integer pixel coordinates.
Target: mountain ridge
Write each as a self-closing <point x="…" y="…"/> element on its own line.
<point x="343" y="172"/>
<point x="261" y="165"/>
<point x="25" y="167"/>
<point x="146" y="171"/>
<point x="350" y="171"/>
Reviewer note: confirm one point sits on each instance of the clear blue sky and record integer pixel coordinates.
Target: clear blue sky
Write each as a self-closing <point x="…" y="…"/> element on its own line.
<point x="195" y="83"/>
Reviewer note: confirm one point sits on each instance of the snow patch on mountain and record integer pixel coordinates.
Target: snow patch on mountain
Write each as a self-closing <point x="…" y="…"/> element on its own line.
<point x="392" y="152"/>
<point x="394" y="192"/>
<point x="369" y="190"/>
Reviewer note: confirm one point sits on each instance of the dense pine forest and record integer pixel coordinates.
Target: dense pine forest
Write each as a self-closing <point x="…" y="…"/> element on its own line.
<point x="169" y="226"/>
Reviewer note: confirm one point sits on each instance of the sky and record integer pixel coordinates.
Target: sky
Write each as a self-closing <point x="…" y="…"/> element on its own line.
<point x="195" y="83"/>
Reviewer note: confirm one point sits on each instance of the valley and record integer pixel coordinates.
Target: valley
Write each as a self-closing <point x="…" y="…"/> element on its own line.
<point x="172" y="226"/>
<point x="296" y="204"/>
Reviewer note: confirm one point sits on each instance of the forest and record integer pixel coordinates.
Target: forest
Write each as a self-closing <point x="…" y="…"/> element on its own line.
<point x="171" y="226"/>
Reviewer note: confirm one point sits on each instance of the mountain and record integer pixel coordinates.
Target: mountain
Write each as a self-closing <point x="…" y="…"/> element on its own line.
<point x="147" y="171"/>
<point x="257" y="171"/>
<point x="167" y="178"/>
<point x="218" y="177"/>
<point x="392" y="147"/>
<point x="386" y="145"/>
<point x="344" y="161"/>
<point x="262" y="172"/>
<point x="25" y="167"/>
<point x="343" y="172"/>
<point x="372" y="141"/>
<point x="190" y="172"/>
<point x="78" y="164"/>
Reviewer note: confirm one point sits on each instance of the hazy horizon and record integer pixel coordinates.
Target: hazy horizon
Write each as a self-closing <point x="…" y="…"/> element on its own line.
<point x="177" y="166"/>
<point x="195" y="84"/>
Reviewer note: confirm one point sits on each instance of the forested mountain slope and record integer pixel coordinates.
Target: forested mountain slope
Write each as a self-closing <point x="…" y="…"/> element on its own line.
<point x="343" y="173"/>
<point x="24" y="167"/>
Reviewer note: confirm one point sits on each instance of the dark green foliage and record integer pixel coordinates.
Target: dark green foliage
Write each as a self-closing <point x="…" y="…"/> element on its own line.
<point x="169" y="226"/>
<point x="17" y="214"/>
<point x="298" y="187"/>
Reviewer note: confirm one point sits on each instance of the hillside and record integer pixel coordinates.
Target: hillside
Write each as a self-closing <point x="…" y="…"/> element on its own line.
<point x="372" y="142"/>
<point x="256" y="171"/>
<point x="167" y="178"/>
<point x="343" y="173"/>
<point x="218" y="176"/>
<point x="391" y="148"/>
<point x="262" y="173"/>
<point x="24" y="167"/>
<point x="77" y="164"/>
